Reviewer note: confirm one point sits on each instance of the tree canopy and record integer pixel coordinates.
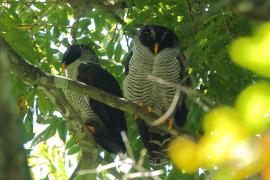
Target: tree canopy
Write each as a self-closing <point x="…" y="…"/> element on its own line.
<point x="36" y="34"/>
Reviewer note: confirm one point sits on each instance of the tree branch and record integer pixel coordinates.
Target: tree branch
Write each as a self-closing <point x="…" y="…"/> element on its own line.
<point x="36" y="77"/>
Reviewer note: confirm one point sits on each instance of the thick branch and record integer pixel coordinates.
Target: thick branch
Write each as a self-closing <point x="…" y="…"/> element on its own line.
<point x="37" y="77"/>
<point x="52" y="86"/>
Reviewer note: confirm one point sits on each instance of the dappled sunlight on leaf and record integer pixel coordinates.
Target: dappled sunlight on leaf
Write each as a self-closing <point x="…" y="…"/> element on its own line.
<point x="49" y="159"/>
<point x="248" y="157"/>
<point x="253" y="104"/>
<point x="227" y="149"/>
<point x="253" y="52"/>
<point x="183" y="152"/>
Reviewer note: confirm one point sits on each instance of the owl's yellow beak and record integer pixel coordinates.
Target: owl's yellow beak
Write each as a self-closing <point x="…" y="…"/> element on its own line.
<point x="156" y="48"/>
<point x="63" y="67"/>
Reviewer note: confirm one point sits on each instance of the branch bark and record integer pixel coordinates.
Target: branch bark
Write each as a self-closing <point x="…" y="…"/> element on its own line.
<point x="36" y="77"/>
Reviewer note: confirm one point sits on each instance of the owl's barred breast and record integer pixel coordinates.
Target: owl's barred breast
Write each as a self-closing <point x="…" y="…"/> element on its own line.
<point x="140" y="89"/>
<point x="79" y="102"/>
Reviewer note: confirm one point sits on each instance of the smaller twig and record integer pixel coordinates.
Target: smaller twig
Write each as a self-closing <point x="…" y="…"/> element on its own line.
<point x="29" y="26"/>
<point x="144" y="174"/>
<point x="225" y="23"/>
<point x="105" y="167"/>
<point x="190" y="16"/>
<point x="170" y="110"/>
<point x="139" y="165"/>
<point x="142" y="156"/>
<point x="199" y="7"/>
<point x="201" y="104"/>
<point x="127" y="145"/>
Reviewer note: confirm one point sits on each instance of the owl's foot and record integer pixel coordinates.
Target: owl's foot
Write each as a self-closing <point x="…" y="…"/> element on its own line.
<point x="96" y="126"/>
<point x="92" y="129"/>
<point x="169" y="123"/>
<point x="148" y="108"/>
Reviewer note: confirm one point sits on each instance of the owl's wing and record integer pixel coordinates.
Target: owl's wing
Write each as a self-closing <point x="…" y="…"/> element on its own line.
<point x="181" y="109"/>
<point x="113" y="119"/>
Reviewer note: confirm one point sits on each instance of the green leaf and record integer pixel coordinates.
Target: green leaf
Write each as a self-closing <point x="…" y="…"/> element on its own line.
<point x="61" y="166"/>
<point x="20" y="40"/>
<point x="62" y="130"/>
<point x="44" y="135"/>
<point x="176" y="174"/>
<point x="44" y="103"/>
<point x="71" y="142"/>
<point x="53" y="169"/>
<point x="110" y="49"/>
<point x="118" y="52"/>
<point x="55" y="34"/>
<point x="73" y="150"/>
<point x="28" y="128"/>
<point x="84" y="23"/>
<point x="30" y="97"/>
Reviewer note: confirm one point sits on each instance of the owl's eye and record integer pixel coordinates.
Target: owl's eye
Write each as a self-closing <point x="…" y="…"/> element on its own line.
<point x="168" y="39"/>
<point x="146" y="35"/>
<point x="164" y="36"/>
<point x="146" y="38"/>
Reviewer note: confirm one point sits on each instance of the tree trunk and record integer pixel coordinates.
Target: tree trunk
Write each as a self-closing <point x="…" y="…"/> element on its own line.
<point x="13" y="162"/>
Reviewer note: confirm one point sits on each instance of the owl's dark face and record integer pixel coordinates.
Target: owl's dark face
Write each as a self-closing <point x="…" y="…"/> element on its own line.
<point x="157" y="38"/>
<point x="73" y="53"/>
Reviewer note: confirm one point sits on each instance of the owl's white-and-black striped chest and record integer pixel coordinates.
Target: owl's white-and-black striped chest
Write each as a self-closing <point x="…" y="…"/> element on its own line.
<point x="79" y="102"/>
<point x="140" y="89"/>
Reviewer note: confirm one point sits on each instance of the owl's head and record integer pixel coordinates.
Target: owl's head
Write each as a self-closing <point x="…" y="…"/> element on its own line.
<point x="78" y="52"/>
<point x="157" y="38"/>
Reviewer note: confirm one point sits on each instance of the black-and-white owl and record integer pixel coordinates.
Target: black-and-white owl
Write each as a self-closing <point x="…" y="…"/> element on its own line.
<point x="156" y="52"/>
<point x="81" y="63"/>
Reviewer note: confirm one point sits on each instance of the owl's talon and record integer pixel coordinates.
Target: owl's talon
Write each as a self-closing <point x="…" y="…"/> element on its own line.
<point x="91" y="129"/>
<point x="150" y="109"/>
